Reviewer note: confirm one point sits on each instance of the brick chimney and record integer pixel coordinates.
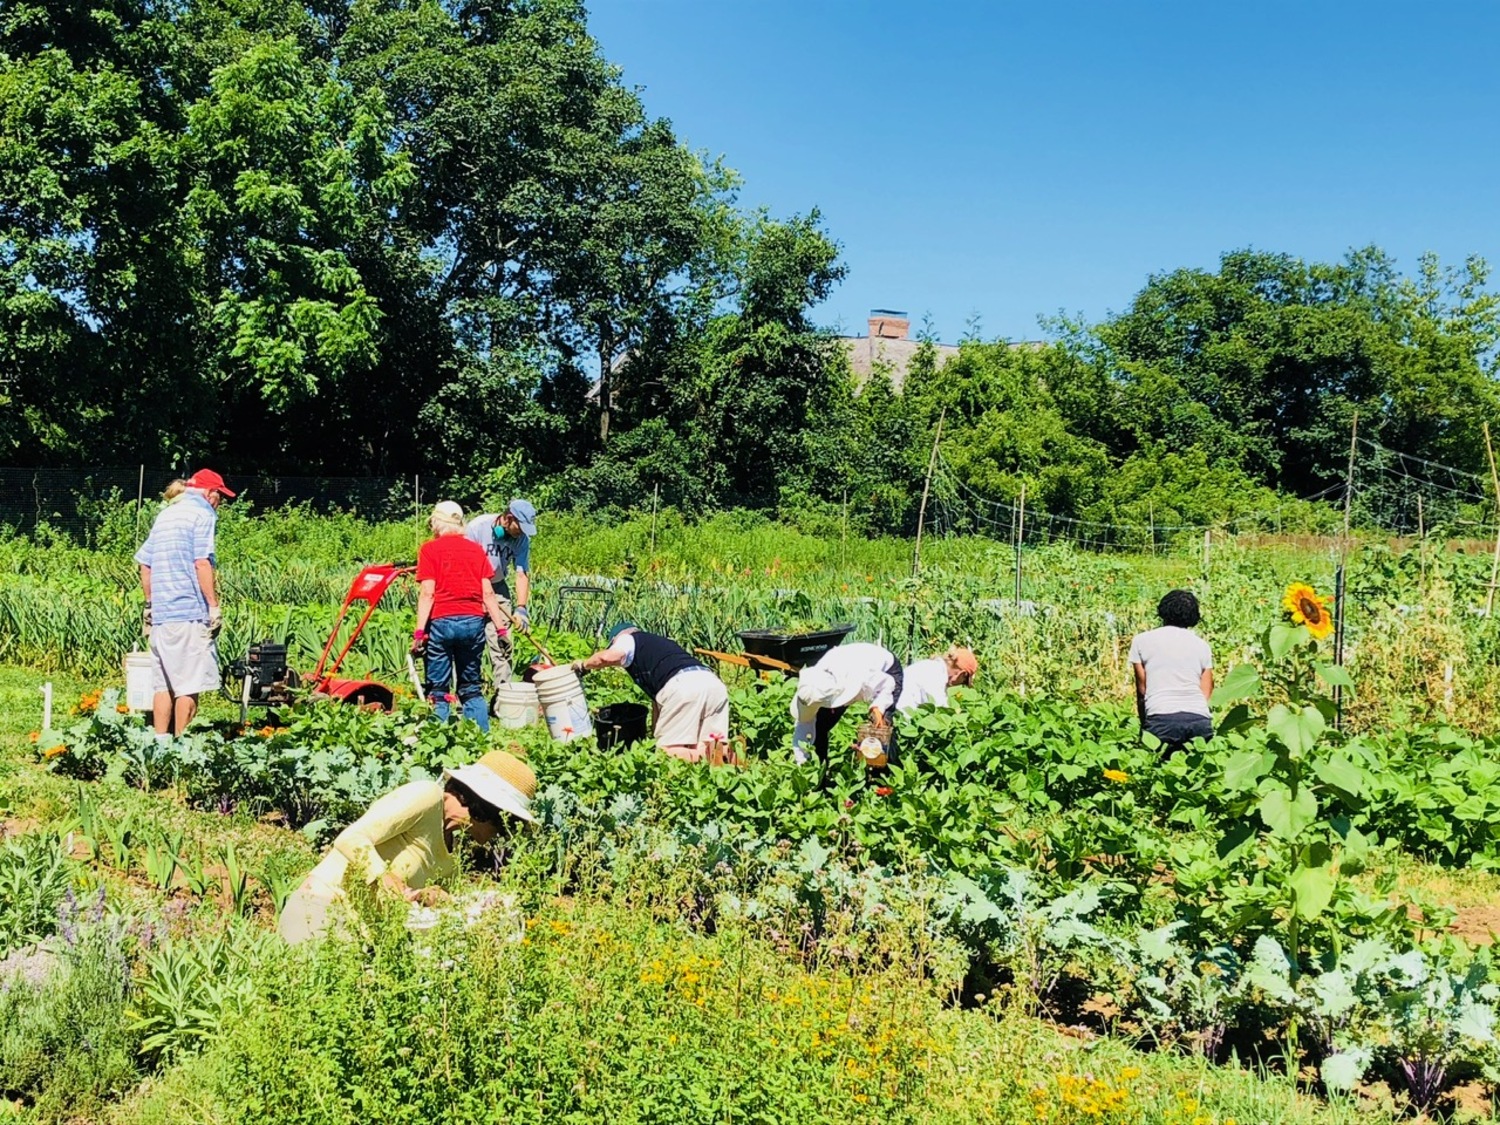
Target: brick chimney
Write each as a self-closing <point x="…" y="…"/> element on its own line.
<point x="889" y="324"/>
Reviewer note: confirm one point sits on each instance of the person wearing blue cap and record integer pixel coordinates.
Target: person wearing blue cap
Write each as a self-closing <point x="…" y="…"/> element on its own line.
<point x="506" y="539"/>
<point x="689" y="704"/>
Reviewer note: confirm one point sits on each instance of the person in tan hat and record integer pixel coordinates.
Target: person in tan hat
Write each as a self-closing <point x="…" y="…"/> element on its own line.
<point x="928" y="681"/>
<point x="405" y="839"/>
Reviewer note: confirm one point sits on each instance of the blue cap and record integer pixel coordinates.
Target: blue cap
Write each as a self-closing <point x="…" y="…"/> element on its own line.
<point x="525" y="513"/>
<point x="620" y="628"/>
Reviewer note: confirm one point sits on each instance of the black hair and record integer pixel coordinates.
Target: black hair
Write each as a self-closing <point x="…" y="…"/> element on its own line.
<point x="479" y="808"/>
<point x="1180" y="608"/>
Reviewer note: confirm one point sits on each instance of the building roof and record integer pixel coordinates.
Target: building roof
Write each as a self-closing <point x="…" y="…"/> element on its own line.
<point x="895" y="354"/>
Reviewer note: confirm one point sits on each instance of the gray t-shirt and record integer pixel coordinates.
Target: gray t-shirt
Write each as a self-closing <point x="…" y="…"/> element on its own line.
<point x="1175" y="660"/>
<point x="502" y="549"/>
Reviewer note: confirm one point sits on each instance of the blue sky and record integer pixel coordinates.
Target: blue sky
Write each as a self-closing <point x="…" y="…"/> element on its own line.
<point x="1003" y="161"/>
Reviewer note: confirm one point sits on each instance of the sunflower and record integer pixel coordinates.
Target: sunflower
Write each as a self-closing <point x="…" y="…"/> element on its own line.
<point x="1304" y="607"/>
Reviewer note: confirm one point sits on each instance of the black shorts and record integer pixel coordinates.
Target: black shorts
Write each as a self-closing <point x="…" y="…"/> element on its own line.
<point x="1180" y="727"/>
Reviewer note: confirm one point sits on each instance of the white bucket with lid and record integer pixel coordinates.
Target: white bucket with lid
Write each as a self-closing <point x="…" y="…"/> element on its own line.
<point x="139" y="693"/>
<point x="563" y="704"/>
<point x="516" y="705"/>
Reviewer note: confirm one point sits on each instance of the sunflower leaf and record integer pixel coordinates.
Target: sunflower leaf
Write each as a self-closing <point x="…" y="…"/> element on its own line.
<point x="1335" y="676"/>
<point x="1298" y="730"/>
<point x="1243" y="681"/>
<point x="1283" y="638"/>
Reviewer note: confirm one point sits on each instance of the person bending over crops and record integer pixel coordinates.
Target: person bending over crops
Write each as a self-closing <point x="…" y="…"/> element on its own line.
<point x="406" y="839"/>
<point x="506" y="538"/>
<point x="1174" y="675"/>
<point x="866" y="673"/>
<point x="454" y="598"/>
<point x="689" y="704"/>
<point x="928" y="681"/>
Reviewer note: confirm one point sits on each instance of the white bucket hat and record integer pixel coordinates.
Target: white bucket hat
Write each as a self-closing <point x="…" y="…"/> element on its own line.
<point x="499" y="779"/>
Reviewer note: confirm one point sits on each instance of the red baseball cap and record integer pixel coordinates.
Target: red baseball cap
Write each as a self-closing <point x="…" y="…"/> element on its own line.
<point x="209" y="481"/>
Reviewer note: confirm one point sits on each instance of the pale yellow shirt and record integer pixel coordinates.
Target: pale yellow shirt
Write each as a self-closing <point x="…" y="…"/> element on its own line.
<point x="400" y="834"/>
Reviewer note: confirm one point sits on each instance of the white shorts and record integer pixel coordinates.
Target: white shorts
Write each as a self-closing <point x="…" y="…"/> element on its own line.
<point x="692" y="707"/>
<point x="185" y="660"/>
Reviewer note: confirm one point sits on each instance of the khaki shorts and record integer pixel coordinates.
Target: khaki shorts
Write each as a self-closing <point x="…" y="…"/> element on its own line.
<point x="691" y="708"/>
<point x="185" y="658"/>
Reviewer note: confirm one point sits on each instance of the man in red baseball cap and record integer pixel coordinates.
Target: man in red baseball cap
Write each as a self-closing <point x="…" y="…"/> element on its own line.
<point x="207" y="480"/>
<point x="182" y="601"/>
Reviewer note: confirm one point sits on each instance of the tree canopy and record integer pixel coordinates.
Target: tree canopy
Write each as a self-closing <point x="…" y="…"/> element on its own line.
<point x="446" y="237"/>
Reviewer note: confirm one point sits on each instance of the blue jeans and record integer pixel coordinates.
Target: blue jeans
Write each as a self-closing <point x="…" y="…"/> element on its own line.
<point x="456" y="645"/>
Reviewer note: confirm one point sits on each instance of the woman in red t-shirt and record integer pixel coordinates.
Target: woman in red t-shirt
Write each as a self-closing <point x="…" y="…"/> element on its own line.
<point x="455" y="597"/>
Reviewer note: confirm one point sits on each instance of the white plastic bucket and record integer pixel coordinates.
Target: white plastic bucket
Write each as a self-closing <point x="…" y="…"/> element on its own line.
<point x="139" y="694"/>
<point x="516" y="705"/>
<point x="563" y="704"/>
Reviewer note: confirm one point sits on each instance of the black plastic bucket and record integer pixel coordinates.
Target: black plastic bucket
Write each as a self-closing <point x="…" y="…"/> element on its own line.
<point x="617" y="724"/>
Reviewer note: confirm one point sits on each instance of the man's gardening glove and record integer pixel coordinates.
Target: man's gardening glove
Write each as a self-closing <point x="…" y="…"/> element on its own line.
<point x="215" y="620"/>
<point x="146" y="621"/>
<point x="522" y="619"/>
<point x="419" y="642"/>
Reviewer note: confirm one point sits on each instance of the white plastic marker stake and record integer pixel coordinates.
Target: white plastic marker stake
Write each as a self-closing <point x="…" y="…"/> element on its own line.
<point x="47" y="706"/>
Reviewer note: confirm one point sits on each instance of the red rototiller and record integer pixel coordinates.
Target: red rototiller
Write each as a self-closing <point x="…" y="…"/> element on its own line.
<point x="266" y="680"/>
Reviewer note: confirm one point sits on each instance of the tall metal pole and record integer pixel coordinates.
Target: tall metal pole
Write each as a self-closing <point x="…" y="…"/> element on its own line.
<point x="1338" y="582"/>
<point x="1020" y="535"/>
<point x="655" y="496"/>
<point x="916" y="555"/>
<point x="1489" y="600"/>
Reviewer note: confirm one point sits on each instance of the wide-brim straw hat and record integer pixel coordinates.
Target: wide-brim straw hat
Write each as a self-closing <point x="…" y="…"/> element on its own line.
<point x="502" y="780"/>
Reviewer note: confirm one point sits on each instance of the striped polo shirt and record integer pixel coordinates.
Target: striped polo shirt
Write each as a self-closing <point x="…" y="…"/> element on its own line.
<point x="182" y="534"/>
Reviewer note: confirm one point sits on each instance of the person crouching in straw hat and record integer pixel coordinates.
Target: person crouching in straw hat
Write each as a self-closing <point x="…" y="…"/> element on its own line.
<point x="405" y="840"/>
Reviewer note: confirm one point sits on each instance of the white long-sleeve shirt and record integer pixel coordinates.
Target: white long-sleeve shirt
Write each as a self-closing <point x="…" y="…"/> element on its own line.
<point x="862" y="667"/>
<point x="926" y="681"/>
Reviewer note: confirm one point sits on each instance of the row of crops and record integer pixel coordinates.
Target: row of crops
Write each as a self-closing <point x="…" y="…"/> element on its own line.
<point x="1225" y="898"/>
<point x="1416" y="633"/>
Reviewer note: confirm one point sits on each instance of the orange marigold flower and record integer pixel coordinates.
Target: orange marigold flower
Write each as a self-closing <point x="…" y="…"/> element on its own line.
<point x="54" y="751"/>
<point x="34" y="735"/>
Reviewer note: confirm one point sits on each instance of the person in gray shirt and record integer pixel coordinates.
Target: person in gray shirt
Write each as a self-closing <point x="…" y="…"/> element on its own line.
<point x="1174" y="675"/>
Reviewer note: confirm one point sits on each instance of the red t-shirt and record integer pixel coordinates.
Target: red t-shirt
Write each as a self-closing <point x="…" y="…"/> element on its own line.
<point x="461" y="569"/>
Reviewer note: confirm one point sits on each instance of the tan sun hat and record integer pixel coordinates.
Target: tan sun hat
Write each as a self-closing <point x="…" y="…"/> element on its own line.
<point x="502" y="780"/>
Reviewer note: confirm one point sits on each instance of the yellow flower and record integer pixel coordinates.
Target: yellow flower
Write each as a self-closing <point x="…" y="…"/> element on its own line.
<point x="54" y="751"/>
<point x="1119" y="776"/>
<point x="1304" y="607"/>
